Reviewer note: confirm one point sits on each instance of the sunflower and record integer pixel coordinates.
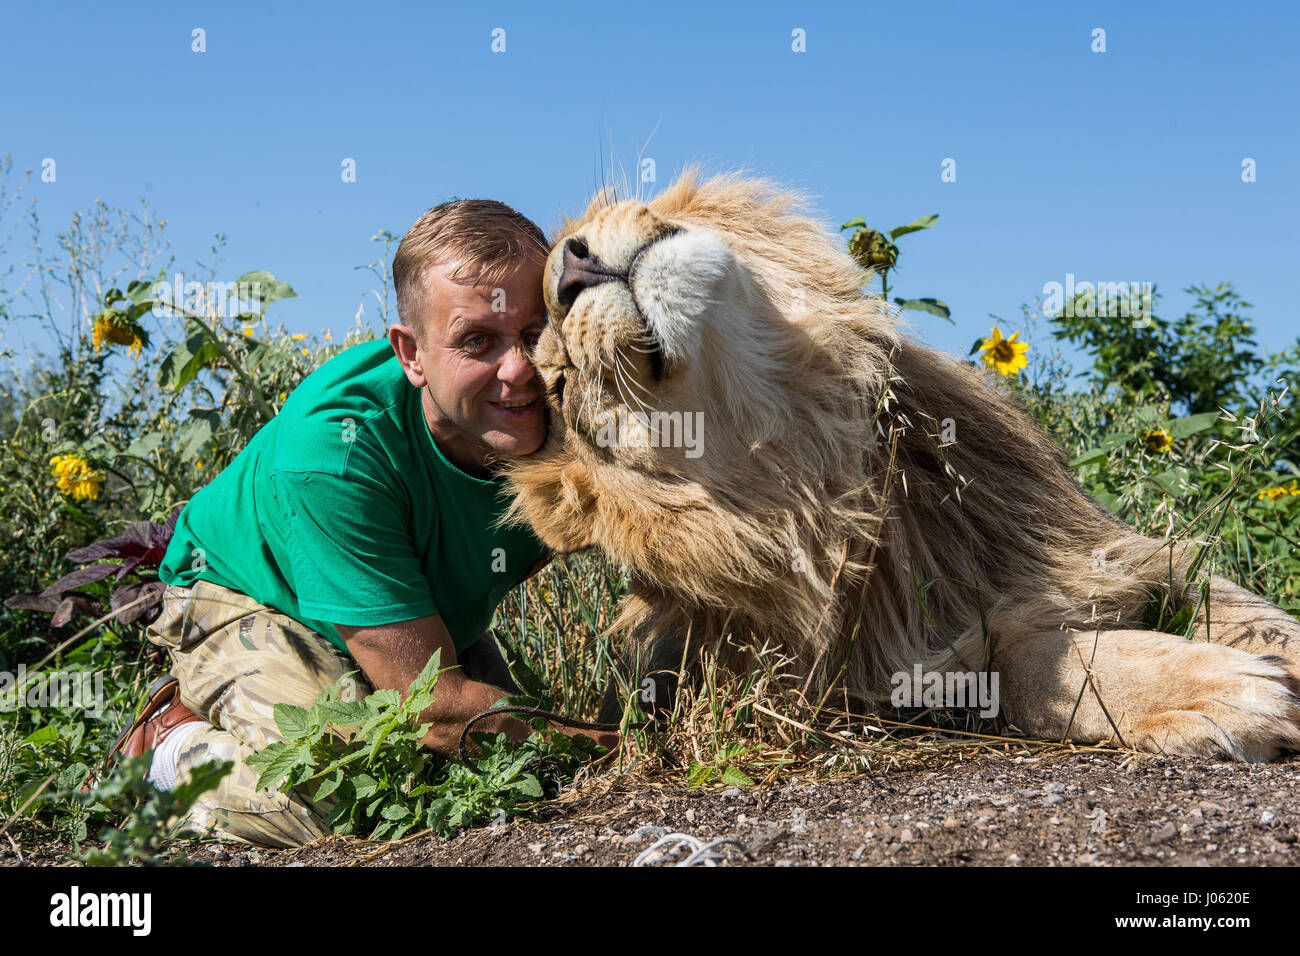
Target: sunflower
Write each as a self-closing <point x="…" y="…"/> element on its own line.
<point x="1005" y="356"/>
<point x="1281" y="492"/>
<point x="77" y="478"/>
<point x="112" y="326"/>
<point x="1157" y="440"/>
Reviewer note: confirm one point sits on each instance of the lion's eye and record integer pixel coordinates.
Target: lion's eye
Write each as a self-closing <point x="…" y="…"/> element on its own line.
<point x="557" y="388"/>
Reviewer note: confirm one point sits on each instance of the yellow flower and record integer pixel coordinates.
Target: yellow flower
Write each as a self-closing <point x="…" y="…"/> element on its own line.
<point x="1005" y="356"/>
<point x="198" y="464"/>
<point x="298" y="338"/>
<point x="328" y="335"/>
<point x="1273" y="493"/>
<point x="77" y="478"/>
<point x="112" y="327"/>
<point x="248" y="330"/>
<point x="283" y="396"/>
<point x="1157" y="440"/>
<point x="306" y="352"/>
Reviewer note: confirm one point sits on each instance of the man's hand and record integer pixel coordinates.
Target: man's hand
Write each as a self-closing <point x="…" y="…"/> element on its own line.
<point x="392" y="656"/>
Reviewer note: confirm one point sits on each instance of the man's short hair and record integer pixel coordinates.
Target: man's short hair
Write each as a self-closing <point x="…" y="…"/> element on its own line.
<point x="486" y="239"/>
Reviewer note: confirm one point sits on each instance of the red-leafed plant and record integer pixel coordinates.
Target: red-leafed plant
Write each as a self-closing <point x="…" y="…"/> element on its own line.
<point x="132" y="559"/>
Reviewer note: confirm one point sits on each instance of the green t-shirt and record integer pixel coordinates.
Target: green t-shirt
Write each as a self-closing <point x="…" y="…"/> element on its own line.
<point x="343" y="510"/>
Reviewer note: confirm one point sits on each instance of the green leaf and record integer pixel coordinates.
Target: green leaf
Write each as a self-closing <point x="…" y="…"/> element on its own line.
<point x="143" y="445"/>
<point x="529" y="786"/>
<point x="387" y="698"/>
<point x="1175" y="481"/>
<point x="73" y="776"/>
<point x="41" y="737"/>
<point x="916" y="225"/>
<point x="1192" y="424"/>
<point x="1108" y="501"/>
<point x="735" y="778"/>
<point x="329" y="785"/>
<point x="699" y="775"/>
<point x="395" y="812"/>
<point x="265" y="288"/>
<point x="1179" y="622"/>
<point x="933" y="306"/>
<point x="292" y="720"/>
<point x="365" y="786"/>
<point x="142" y="290"/>
<point x="197" y="432"/>
<point x="344" y="713"/>
<point x="1089" y="456"/>
<point x="858" y="223"/>
<point x="274" y="763"/>
<point x="435" y="818"/>
<point x="428" y="673"/>
<point x="187" y="359"/>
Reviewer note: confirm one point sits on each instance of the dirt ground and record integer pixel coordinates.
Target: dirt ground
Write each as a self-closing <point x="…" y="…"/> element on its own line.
<point x="1059" y="809"/>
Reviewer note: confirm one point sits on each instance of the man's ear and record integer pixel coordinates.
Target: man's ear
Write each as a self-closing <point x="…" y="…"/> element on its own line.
<point x="405" y="345"/>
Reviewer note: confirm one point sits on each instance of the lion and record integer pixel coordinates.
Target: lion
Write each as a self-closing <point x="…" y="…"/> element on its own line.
<point x="757" y="441"/>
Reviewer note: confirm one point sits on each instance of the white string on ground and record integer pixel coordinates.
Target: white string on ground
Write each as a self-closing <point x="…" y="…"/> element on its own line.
<point x="700" y="852"/>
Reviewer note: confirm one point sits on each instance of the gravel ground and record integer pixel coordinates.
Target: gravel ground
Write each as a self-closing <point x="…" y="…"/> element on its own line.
<point x="1073" y="810"/>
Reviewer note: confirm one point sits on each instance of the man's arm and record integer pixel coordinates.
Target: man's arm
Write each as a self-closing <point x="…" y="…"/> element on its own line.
<point x="392" y="655"/>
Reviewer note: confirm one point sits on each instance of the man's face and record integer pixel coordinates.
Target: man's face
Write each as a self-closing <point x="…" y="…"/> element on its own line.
<point x="481" y="394"/>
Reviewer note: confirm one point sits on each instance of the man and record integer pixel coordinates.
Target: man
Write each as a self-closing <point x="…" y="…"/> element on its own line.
<point x="356" y="530"/>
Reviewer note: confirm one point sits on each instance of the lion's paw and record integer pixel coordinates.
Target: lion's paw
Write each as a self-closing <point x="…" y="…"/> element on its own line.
<point x="1248" y="711"/>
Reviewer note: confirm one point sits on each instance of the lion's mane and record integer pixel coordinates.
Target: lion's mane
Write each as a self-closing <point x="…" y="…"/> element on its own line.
<point x="844" y="527"/>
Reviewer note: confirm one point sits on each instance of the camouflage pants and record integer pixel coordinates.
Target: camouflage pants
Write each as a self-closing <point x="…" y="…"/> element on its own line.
<point x="235" y="660"/>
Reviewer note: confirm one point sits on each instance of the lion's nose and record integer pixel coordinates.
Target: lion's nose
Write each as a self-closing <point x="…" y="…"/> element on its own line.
<point x="582" y="270"/>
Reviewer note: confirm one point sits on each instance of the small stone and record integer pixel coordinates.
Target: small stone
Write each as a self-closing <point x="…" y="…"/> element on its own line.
<point x="731" y="793"/>
<point x="537" y="847"/>
<point x="950" y="823"/>
<point x="1267" y="817"/>
<point x="905" y="835"/>
<point x="1163" y="833"/>
<point x="690" y="815"/>
<point x="1053" y="799"/>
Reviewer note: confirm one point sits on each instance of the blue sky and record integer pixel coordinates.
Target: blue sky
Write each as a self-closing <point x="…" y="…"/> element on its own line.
<point x="1119" y="166"/>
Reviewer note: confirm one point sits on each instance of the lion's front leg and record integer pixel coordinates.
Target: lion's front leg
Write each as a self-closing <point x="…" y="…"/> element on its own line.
<point x="651" y="677"/>
<point x="654" y="634"/>
<point x="1152" y="691"/>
